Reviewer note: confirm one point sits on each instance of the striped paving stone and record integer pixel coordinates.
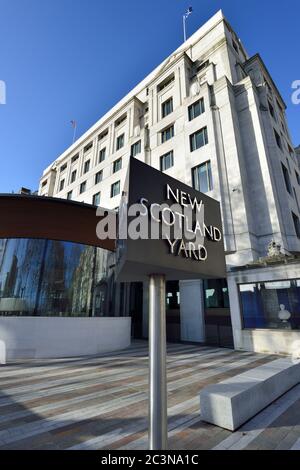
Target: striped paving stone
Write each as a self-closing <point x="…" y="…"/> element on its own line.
<point x="47" y="410"/>
<point x="133" y="375"/>
<point x="140" y="385"/>
<point x="101" y="402"/>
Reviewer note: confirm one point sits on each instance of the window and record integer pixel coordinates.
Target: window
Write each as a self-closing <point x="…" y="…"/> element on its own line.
<point x="167" y="107"/>
<point x="296" y="224"/>
<point x="279" y="107"/>
<point x="136" y="148"/>
<point x="115" y="189"/>
<point x="102" y="154"/>
<point x="117" y="165"/>
<point x="286" y="178"/>
<point x="296" y="199"/>
<point x="235" y="46"/>
<point x="271" y="305"/>
<point x="216" y="293"/>
<point x="98" y="177"/>
<point x="73" y="160"/>
<point x="120" y="120"/>
<point x="61" y="185"/>
<point x="166" y="161"/>
<point x="44" y="183"/>
<point x="167" y="134"/>
<point x="88" y="147"/>
<point x="291" y="151"/>
<point x="297" y="177"/>
<point x="73" y="176"/>
<point x="198" y="139"/>
<point x="165" y="83"/>
<point x="172" y="295"/>
<point x="196" y="109"/>
<point x="82" y="187"/>
<point x="63" y="167"/>
<point x="278" y="139"/>
<point x="120" y="141"/>
<point x="69" y="195"/>
<point x="268" y="85"/>
<point x="272" y="112"/>
<point x="96" y="199"/>
<point x="203" y="66"/>
<point x="201" y="177"/>
<point x="103" y="134"/>
<point x="86" y="166"/>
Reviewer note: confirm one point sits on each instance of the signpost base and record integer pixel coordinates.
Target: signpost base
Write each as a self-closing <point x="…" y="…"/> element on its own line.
<point x="158" y="423"/>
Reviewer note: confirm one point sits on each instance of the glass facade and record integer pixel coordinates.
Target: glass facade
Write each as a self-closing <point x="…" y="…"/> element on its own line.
<point x="274" y="304"/>
<point x="55" y="278"/>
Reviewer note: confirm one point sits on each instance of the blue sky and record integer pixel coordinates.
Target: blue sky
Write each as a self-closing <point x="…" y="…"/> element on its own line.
<point x="74" y="59"/>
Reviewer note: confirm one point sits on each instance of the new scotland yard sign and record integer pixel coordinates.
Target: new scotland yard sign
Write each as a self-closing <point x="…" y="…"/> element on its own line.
<point x="166" y="227"/>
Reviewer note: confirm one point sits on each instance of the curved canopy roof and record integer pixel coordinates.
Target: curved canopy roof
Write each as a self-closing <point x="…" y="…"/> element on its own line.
<point x="28" y="216"/>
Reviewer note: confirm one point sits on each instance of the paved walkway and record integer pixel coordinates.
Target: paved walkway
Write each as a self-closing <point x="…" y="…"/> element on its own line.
<point x="101" y="402"/>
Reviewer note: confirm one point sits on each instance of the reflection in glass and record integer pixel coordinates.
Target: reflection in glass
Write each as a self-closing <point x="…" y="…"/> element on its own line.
<point x="55" y="278"/>
<point x="216" y="293"/>
<point x="263" y="303"/>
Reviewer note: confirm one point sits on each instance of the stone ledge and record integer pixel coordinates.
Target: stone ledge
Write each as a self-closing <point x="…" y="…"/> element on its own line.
<point x="231" y="403"/>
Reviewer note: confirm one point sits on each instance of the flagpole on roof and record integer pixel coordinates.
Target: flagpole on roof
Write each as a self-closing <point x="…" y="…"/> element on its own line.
<point x="184" y="18"/>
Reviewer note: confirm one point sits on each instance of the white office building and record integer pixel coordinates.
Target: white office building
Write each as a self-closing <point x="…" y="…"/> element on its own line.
<point x="212" y="117"/>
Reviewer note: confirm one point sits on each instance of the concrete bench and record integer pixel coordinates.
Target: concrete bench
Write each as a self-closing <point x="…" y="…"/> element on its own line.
<point x="234" y="401"/>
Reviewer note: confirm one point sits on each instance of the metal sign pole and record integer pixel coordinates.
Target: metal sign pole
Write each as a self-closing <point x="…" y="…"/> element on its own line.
<point x="158" y="424"/>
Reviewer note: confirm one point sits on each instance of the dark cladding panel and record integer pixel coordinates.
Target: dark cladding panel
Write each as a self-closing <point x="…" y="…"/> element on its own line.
<point x="51" y="218"/>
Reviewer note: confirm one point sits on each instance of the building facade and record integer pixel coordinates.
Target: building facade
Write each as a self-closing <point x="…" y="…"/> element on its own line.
<point x="212" y="117"/>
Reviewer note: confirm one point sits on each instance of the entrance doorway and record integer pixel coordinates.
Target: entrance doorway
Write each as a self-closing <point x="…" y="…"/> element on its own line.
<point x="218" y="327"/>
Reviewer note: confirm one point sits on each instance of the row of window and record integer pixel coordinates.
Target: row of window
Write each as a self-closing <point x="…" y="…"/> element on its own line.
<point x="201" y="174"/>
<point x="194" y="110"/>
<point x="114" y="191"/>
<point x="279" y="139"/>
<point x="291" y="190"/>
<point x="98" y="177"/>
<point x="201" y="179"/>
<point x="197" y="140"/>
<point x="288" y="183"/>
<point x="117" y="165"/>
